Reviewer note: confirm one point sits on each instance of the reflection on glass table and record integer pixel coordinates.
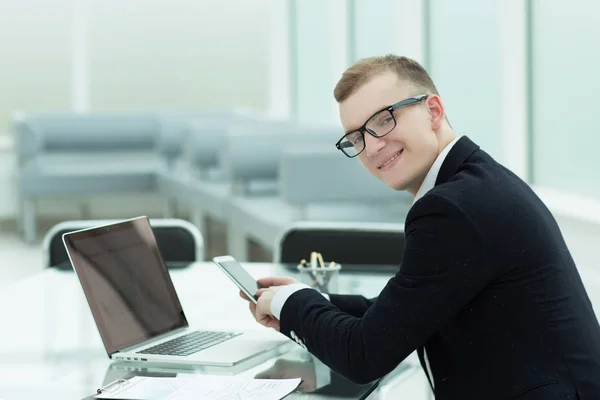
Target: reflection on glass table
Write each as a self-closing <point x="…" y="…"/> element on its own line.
<point x="318" y="381"/>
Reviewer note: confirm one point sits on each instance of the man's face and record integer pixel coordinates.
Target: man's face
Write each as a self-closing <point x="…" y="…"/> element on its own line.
<point x="403" y="157"/>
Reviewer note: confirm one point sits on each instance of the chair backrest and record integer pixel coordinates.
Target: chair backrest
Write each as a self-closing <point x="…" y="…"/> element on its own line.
<point x="179" y="241"/>
<point x="342" y="242"/>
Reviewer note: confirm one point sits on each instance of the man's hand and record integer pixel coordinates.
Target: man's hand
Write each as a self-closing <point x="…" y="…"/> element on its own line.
<point x="271" y="281"/>
<point x="262" y="310"/>
<point x="276" y="281"/>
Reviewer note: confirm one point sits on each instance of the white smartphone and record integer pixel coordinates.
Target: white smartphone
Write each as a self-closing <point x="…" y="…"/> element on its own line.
<point x="234" y="270"/>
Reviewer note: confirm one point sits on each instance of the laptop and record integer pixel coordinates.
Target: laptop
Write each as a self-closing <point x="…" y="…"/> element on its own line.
<point x="136" y="309"/>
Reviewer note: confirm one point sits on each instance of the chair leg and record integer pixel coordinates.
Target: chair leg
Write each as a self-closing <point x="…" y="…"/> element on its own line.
<point x="28" y="221"/>
<point x="197" y="219"/>
<point x="19" y="217"/>
<point x="85" y="211"/>
<point x="170" y="208"/>
<point x="237" y="244"/>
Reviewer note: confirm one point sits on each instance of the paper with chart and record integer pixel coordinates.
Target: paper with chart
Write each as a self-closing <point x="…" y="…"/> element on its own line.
<point x="201" y="387"/>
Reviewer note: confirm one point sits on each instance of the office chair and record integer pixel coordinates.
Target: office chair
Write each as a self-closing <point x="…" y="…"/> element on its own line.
<point x="179" y="241"/>
<point x="364" y="246"/>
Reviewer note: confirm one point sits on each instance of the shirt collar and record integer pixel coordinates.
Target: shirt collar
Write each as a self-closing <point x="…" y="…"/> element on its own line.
<point x="430" y="178"/>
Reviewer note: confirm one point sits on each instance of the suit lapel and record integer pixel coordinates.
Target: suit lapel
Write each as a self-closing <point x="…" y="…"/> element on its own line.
<point x="421" y="354"/>
<point x="459" y="153"/>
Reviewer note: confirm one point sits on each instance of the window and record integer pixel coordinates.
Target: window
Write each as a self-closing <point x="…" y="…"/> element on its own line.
<point x="465" y="66"/>
<point x="565" y="84"/>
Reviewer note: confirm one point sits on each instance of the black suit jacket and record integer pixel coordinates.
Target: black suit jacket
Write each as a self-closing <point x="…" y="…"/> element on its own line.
<point x="486" y="285"/>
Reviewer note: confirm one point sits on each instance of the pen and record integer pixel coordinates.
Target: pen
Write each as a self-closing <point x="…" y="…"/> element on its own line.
<point x="320" y="258"/>
<point x="306" y="267"/>
<point x="331" y="267"/>
<point x="110" y="385"/>
<point x="323" y="273"/>
<point x="313" y="259"/>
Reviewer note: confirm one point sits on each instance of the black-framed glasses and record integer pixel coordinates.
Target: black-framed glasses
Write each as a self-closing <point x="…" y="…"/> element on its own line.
<point x="378" y="125"/>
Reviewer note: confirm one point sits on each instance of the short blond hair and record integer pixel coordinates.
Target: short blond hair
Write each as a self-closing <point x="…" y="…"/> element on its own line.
<point x="407" y="69"/>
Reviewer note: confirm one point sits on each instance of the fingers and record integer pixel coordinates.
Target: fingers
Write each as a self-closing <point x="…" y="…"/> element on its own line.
<point x="275" y="281"/>
<point x="268" y="321"/>
<point x="267" y="281"/>
<point x="243" y="296"/>
<point x="273" y="323"/>
<point x="264" y="318"/>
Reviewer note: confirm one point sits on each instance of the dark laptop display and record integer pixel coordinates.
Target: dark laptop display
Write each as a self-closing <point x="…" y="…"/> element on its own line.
<point x="126" y="282"/>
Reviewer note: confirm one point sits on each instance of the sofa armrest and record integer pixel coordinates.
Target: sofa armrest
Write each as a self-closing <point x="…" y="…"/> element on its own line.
<point x="28" y="139"/>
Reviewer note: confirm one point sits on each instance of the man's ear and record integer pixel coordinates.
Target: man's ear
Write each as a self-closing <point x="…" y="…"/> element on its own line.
<point x="437" y="111"/>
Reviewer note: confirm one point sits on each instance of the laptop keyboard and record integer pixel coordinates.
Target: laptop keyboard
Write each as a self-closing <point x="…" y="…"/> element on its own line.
<point x="189" y="344"/>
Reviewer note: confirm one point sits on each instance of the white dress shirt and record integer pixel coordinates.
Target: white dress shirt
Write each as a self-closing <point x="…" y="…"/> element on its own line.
<point x="431" y="177"/>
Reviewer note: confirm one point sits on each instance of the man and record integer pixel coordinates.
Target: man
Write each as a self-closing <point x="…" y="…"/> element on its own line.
<point x="487" y="292"/>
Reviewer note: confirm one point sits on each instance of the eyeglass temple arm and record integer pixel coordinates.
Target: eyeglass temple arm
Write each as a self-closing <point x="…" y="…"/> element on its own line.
<point x="344" y="145"/>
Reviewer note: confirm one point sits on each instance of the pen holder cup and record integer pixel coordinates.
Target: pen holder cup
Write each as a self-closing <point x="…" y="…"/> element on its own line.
<point x="325" y="280"/>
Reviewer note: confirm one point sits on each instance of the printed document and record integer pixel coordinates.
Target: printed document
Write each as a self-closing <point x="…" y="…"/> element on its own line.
<point x="201" y="387"/>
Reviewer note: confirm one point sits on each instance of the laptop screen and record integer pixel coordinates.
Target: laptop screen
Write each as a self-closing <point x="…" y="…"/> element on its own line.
<point x="126" y="282"/>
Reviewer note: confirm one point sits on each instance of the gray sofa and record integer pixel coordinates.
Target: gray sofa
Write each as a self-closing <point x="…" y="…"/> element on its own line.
<point x="76" y="156"/>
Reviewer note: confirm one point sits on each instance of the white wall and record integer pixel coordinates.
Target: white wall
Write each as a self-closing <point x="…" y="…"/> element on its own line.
<point x="565" y="100"/>
<point x="144" y="54"/>
<point x="465" y="66"/>
<point x="178" y="54"/>
<point x="319" y="57"/>
<point x="376" y="28"/>
<point x="35" y="56"/>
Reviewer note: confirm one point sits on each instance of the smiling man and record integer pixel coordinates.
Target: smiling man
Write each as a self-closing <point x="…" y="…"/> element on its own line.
<point x="487" y="291"/>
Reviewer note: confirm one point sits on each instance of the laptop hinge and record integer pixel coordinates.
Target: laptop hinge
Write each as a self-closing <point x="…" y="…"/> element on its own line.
<point x="149" y="342"/>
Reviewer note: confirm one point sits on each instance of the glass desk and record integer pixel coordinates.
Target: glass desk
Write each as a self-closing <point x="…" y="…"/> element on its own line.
<point x="50" y="347"/>
<point x="318" y="381"/>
